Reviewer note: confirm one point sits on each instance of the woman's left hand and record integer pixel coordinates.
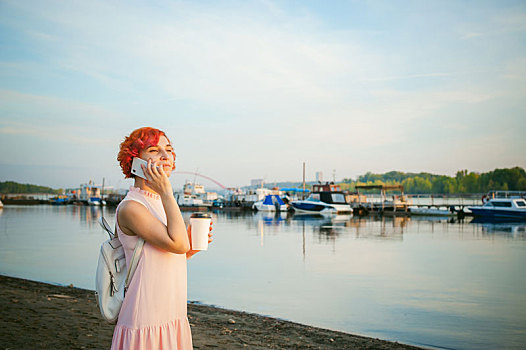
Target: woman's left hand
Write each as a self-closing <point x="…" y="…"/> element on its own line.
<point x="191" y="252"/>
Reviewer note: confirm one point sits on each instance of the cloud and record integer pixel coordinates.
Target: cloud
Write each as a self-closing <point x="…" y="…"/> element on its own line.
<point x="472" y="35"/>
<point x="501" y="22"/>
<point x="45" y="111"/>
<point x="207" y="55"/>
<point x="516" y="70"/>
<point x="409" y="76"/>
<point x="511" y="21"/>
<point x="66" y="133"/>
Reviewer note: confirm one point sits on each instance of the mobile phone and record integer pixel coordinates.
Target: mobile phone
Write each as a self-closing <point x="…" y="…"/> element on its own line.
<point x="136" y="167"/>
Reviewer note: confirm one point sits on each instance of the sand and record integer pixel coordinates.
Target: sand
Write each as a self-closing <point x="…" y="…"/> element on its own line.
<point x="36" y="315"/>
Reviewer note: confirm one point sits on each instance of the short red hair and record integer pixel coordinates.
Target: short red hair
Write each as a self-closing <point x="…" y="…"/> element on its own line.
<point x="132" y="145"/>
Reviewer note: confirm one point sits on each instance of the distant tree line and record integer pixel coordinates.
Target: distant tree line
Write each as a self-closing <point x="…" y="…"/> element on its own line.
<point x="15" y="187"/>
<point x="512" y="179"/>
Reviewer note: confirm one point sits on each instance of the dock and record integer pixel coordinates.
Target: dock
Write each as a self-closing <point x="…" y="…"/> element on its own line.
<point x="409" y="204"/>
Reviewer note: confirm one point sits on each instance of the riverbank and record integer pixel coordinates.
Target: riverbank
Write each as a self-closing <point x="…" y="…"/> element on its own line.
<point x="39" y="315"/>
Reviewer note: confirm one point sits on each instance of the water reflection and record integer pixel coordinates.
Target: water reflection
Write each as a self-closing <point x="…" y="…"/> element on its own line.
<point x="332" y="227"/>
<point x="335" y="226"/>
<point x="269" y="218"/>
<point x="88" y="215"/>
<point x="229" y="214"/>
<point x="516" y="229"/>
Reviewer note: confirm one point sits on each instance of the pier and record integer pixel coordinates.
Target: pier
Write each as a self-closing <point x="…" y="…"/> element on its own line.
<point x="400" y="203"/>
<point x="384" y="200"/>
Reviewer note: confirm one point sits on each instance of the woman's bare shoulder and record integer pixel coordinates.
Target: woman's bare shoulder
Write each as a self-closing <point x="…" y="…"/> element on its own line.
<point x="128" y="212"/>
<point x="131" y="208"/>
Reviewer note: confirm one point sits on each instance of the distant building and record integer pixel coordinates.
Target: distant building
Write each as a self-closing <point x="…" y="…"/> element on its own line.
<point x="319" y="176"/>
<point x="257" y="182"/>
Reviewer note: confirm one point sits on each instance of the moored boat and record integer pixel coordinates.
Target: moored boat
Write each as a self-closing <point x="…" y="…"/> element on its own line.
<point x="59" y="200"/>
<point x="97" y="201"/>
<point x="90" y="194"/>
<point x="194" y="197"/>
<point x="432" y="211"/>
<point x="271" y="202"/>
<point x="327" y="198"/>
<point x="501" y="208"/>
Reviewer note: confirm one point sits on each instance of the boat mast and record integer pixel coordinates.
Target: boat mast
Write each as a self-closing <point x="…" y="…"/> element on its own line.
<point x="102" y="198"/>
<point x="303" y="194"/>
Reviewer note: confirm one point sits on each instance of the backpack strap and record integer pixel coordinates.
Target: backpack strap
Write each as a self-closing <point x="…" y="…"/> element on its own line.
<point x="136" y="252"/>
<point x="104" y="224"/>
<point x="134" y="261"/>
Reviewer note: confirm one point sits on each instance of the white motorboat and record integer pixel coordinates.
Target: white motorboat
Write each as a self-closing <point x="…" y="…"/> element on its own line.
<point x="194" y="195"/>
<point x="432" y="211"/>
<point x="502" y="208"/>
<point x="190" y="200"/>
<point x="326" y="198"/>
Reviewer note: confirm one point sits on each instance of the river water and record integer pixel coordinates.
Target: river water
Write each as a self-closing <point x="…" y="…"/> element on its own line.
<point x="434" y="282"/>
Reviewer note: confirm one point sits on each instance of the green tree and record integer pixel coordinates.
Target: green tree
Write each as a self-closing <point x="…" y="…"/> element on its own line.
<point x="15" y="187"/>
<point x="463" y="181"/>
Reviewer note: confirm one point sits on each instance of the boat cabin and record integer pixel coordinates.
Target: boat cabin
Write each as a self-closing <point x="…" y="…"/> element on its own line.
<point x="328" y="193"/>
<point x="506" y="203"/>
<point x="327" y="187"/>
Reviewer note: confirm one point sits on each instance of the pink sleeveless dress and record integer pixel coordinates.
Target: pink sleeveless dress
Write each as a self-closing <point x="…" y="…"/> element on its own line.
<point x="153" y="314"/>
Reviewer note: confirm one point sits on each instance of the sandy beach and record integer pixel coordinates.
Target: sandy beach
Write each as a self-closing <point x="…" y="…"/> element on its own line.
<point x="36" y="315"/>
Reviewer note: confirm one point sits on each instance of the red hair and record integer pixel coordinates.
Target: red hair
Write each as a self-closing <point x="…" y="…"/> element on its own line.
<point x="132" y="145"/>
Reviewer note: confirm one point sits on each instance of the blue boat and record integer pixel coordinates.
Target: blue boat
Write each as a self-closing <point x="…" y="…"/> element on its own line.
<point x="59" y="200"/>
<point x="501" y="208"/>
<point x="271" y="202"/>
<point x="327" y="198"/>
<point x="96" y="201"/>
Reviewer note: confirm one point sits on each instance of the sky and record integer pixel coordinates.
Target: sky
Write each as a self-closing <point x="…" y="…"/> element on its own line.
<point x="252" y="89"/>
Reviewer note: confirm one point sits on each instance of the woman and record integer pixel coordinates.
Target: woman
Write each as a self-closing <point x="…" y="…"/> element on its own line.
<point x="153" y="314"/>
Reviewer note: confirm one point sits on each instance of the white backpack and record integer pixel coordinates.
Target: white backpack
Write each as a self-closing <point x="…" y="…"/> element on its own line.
<point x="112" y="279"/>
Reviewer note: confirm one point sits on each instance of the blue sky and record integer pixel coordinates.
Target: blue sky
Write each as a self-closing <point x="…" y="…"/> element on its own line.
<point x="251" y="89"/>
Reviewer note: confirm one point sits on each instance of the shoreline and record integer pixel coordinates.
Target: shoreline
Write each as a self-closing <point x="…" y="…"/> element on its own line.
<point x="41" y="315"/>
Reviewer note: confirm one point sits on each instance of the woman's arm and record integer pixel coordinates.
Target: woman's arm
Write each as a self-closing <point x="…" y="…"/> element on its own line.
<point x="135" y="220"/>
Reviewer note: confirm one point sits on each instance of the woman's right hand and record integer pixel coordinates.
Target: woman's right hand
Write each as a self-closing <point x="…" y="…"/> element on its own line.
<point x="157" y="178"/>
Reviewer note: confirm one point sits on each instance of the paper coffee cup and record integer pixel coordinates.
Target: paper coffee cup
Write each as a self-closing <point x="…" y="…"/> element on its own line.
<point x="200" y="223"/>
